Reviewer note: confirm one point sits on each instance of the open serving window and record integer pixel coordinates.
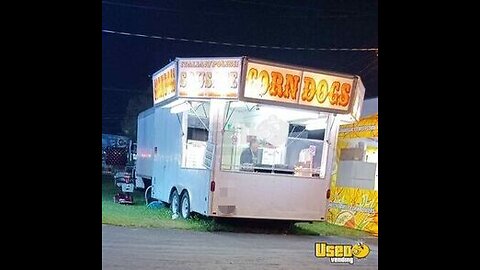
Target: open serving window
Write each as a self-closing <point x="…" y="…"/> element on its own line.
<point x="270" y="139"/>
<point x="195" y="129"/>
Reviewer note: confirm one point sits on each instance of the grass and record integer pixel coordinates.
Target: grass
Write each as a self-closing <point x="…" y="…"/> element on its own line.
<point x="324" y="228"/>
<point x="138" y="215"/>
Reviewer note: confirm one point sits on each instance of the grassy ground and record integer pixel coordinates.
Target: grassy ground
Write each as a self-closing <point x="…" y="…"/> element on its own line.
<point x="139" y="215"/>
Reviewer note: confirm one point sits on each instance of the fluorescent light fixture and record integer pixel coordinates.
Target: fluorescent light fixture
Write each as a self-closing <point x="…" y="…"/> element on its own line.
<point x="195" y="103"/>
<point x="237" y="104"/>
<point x="316" y="124"/>
<point x="180" y="108"/>
<point x="288" y="114"/>
<point x="174" y="103"/>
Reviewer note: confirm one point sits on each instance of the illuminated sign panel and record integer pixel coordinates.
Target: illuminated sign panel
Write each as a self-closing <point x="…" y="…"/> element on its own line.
<point x="164" y="83"/>
<point x="209" y="77"/>
<point x="297" y="86"/>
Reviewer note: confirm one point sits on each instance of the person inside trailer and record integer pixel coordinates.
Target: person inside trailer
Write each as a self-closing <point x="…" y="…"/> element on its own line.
<point x="249" y="155"/>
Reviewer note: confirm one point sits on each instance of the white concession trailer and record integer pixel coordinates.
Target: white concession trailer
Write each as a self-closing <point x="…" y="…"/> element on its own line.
<point x="244" y="138"/>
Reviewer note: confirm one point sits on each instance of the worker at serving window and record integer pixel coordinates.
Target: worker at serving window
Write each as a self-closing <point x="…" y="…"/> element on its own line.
<point x="250" y="155"/>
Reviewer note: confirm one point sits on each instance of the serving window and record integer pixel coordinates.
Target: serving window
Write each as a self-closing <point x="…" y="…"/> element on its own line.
<point x="195" y="122"/>
<point x="269" y="139"/>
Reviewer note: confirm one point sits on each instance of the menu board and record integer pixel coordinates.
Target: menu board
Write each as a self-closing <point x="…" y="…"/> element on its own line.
<point x="209" y="154"/>
<point x="194" y="154"/>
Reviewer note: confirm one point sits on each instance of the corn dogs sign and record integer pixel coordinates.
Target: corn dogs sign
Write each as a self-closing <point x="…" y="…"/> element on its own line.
<point x="324" y="91"/>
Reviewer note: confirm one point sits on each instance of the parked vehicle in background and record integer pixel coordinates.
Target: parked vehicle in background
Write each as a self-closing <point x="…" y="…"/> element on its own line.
<point x="117" y="151"/>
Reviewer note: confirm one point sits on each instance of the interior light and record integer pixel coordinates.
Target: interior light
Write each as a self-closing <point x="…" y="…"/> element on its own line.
<point x="316" y="124"/>
<point x="180" y="108"/>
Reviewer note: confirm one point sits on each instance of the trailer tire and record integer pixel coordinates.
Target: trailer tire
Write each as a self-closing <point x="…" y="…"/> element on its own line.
<point x="185" y="205"/>
<point x="175" y="202"/>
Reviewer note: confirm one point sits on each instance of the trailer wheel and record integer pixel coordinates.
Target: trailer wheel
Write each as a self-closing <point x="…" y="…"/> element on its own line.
<point x="175" y="204"/>
<point x="185" y="206"/>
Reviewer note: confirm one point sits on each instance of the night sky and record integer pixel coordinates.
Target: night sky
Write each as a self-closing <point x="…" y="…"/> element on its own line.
<point x="128" y="61"/>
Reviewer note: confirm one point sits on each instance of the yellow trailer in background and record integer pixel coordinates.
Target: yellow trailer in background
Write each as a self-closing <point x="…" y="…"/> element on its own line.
<point x="354" y="182"/>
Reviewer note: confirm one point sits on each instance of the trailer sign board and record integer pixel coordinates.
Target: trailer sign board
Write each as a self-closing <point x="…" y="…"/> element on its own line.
<point x="164" y="83"/>
<point x="209" y="77"/>
<point x="306" y="88"/>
